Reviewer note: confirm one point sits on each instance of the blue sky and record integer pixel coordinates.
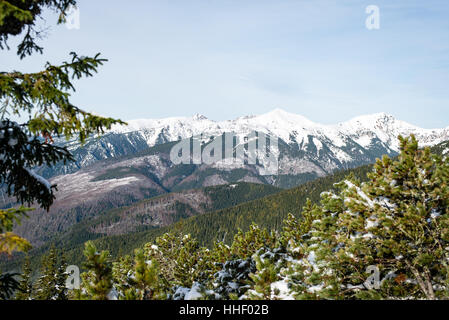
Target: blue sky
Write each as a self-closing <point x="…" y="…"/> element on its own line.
<point x="228" y="58"/>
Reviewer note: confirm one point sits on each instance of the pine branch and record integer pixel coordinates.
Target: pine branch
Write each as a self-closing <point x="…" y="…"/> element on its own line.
<point x="47" y="94"/>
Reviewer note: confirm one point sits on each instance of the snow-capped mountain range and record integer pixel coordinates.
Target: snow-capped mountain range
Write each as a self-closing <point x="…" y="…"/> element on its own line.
<point x="291" y="128"/>
<point x="305" y="147"/>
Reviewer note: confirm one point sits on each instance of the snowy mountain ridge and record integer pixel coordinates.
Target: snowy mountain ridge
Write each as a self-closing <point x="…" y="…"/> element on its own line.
<point x="291" y="128"/>
<point x="306" y="149"/>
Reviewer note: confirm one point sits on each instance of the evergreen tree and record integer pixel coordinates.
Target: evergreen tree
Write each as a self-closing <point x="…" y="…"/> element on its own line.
<point x="122" y="278"/>
<point x="178" y="257"/>
<point x="140" y="281"/>
<point x="269" y="266"/>
<point x="97" y="281"/>
<point x="212" y="261"/>
<point x="25" y="289"/>
<point x="300" y="259"/>
<point x="233" y="280"/>
<point x="51" y="283"/>
<point x="44" y="97"/>
<point x="19" y="16"/>
<point x="61" y="278"/>
<point x="397" y="222"/>
<point x="248" y="243"/>
<point x="148" y="286"/>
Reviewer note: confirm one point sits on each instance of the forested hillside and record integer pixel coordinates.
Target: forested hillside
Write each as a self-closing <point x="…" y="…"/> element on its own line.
<point x="149" y="214"/>
<point x="268" y="212"/>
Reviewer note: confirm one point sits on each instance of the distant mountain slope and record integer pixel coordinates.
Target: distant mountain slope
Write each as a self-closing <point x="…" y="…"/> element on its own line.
<point x="167" y="209"/>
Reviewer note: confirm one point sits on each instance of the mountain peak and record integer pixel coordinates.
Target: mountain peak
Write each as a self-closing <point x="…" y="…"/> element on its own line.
<point x="199" y="116"/>
<point x="280" y="113"/>
<point x="372" y="119"/>
<point x="285" y="119"/>
<point x="383" y="115"/>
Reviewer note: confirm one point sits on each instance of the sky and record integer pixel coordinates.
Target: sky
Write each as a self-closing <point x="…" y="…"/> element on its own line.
<point x="229" y="58"/>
